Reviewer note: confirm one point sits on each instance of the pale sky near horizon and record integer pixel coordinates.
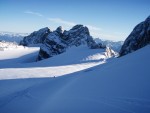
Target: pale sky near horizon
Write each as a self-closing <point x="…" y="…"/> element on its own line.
<point x="106" y="19"/>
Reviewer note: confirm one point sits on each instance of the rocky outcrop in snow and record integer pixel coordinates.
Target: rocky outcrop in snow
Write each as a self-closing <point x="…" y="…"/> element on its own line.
<point x="53" y="45"/>
<point x="139" y="37"/>
<point x="110" y="53"/>
<point x="36" y="37"/>
<point x="58" y="41"/>
<point x="77" y="36"/>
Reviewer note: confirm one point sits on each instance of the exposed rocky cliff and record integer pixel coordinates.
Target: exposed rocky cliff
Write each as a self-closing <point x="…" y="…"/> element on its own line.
<point x="37" y="37"/>
<point x="139" y="37"/>
<point x="58" y="41"/>
<point x="52" y="45"/>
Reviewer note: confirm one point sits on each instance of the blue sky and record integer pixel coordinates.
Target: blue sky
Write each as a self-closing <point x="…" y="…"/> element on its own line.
<point x="106" y="19"/>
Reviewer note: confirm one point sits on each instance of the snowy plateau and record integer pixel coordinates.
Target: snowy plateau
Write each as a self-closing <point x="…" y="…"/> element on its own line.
<point x="80" y="80"/>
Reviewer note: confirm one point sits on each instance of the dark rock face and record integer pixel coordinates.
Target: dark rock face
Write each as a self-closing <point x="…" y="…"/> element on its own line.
<point x="139" y="37"/>
<point x="36" y="37"/>
<point x="58" y="41"/>
<point x="77" y="36"/>
<point x="52" y="45"/>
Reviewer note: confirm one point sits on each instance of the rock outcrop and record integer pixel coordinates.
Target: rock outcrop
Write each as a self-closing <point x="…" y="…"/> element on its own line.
<point x="36" y="37"/>
<point x="77" y="36"/>
<point x="52" y="45"/>
<point x="58" y="41"/>
<point x="139" y="37"/>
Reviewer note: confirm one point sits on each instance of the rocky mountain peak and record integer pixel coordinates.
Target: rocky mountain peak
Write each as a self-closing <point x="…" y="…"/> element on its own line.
<point x="36" y="37"/>
<point x="59" y="29"/>
<point x="148" y="19"/>
<point x="80" y="28"/>
<point x="58" y="41"/>
<point x="139" y="37"/>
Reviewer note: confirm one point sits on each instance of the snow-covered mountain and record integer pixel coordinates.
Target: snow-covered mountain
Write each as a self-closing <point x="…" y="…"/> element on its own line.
<point x="12" y="37"/>
<point x="56" y="42"/>
<point x="139" y="37"/>
<point x="37" y="37"/>
<point x="52" y="45"/>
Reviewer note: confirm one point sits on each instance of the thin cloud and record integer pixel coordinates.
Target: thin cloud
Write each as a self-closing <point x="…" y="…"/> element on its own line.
<point x="95" y="31"/>
<point x="104" y="35"/>
<point x="34" y="13"/>
<point x="61" y="21"/>
<point x="94" y="28"/>
<point x="68" y="23"/>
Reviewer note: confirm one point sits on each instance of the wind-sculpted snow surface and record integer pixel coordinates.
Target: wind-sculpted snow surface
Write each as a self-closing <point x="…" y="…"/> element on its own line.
<point x="118" y="86"/>
<point x="139" y="37"/>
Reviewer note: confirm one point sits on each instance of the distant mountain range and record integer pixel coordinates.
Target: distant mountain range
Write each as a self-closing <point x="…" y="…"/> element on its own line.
<point x="115" y="45"/>
<point x="11" y="36"/>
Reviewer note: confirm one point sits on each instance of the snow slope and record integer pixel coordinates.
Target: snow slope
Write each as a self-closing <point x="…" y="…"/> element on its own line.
<point x="21" y="63"/>
<point x="120" y="86"/>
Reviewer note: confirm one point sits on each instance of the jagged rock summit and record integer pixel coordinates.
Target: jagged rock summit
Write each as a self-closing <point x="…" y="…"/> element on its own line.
<point x="57" y="41"/>
<point x="37" y="37"/>
<point x="139" y="37"/>
<point x="52" y="45"/>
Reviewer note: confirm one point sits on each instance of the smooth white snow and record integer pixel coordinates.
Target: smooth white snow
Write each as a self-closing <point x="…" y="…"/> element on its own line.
<point x="21" y="63"/>
<point x="119" y="86"/>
